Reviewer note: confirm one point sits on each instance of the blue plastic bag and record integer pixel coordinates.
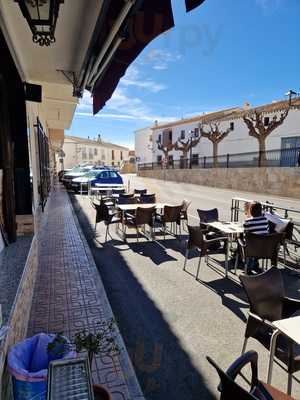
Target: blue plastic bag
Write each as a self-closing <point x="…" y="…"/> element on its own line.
<point x="28" y="363"/>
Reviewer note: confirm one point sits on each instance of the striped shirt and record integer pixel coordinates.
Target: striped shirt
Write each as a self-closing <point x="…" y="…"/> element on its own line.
<point x="258" y="225"/>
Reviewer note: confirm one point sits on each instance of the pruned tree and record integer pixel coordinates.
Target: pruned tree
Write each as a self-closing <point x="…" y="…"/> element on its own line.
<point x="185" y="147"/>
<point x="165" y="149"/>
<point x="215" y="135"/>
<point x="260" y="130"/>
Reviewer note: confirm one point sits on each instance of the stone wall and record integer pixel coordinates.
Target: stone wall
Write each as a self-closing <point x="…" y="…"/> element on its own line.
<point x="19" y="317"/>
<point x="274" y="181"/>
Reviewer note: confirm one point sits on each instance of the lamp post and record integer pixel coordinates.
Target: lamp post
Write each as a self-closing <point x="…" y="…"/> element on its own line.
<point x="290" y="95"/>
<point x="193" y="135"/>
<point x="41" y="16"/>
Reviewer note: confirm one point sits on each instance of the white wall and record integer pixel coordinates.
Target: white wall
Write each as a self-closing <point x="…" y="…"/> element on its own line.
<point x="74" y="152"/>
<point x="238" y="141"/>
<point x="143" y="145"/>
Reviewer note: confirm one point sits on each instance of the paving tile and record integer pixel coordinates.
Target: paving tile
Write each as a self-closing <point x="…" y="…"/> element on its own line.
<point x="69" y="294"/>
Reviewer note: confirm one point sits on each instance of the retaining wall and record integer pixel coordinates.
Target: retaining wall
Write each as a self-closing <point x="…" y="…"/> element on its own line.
<point x="275" y="181"/>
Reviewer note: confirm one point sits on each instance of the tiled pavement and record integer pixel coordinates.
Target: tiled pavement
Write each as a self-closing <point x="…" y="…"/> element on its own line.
<point x="69" y="294"/>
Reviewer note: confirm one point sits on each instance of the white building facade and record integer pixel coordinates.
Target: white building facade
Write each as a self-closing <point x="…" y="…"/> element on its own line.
<point x="144" y="145"/>
<point x="287" y="135"/>
<point x="80" y="150"/>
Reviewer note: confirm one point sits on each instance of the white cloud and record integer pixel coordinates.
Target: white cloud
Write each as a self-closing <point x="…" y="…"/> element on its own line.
<point x="121" y="106"/>
<point x="160" y="59"/>
<point x="132" y="78"/>
<point x="268" y="5"/>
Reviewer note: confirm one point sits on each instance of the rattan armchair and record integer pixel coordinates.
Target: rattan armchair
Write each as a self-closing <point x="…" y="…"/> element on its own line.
<point x="268" y="303"/>
<point x="231" y="390"/>
<point x="197" y="240"/>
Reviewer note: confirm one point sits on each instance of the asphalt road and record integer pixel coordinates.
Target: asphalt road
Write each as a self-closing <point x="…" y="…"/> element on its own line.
<point x="169" y="321"/>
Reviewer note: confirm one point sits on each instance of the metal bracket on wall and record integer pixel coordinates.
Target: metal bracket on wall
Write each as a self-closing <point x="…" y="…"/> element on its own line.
<point x="73" y="79"/>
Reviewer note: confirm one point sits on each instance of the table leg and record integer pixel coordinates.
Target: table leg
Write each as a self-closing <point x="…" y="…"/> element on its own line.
<point x="123" y="225"/>
<point x="272" y="353"/>
<point x="227" y="256"/>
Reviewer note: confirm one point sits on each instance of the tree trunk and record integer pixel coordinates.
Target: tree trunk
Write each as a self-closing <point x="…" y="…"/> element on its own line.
<point x="215" y="154"/>
<point x="262" y="161"/>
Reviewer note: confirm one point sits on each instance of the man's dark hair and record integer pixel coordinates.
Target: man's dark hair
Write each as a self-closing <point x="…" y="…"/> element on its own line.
<point x="256" y="209"/>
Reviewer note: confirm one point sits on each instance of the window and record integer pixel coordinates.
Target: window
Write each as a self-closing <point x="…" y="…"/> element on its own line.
<point x="83" y="153"/>
<point x="112" y="154"/>
<point x="91" y="154"/>
<point x="103" y="154"/>
<point x="159" y="138"/>
<point x="266" y="121"/>
<point x="167" y="138"/>
<point x="182" y="135"/>
<point x="159" y="158"/>
<point x="104" y="175"/>
<point x="113" y="175"/>
<point x="121" y="155"/>
<point x="95" y="152"/>
<point x="231" y="126"/>
<point x="195" y="159"/>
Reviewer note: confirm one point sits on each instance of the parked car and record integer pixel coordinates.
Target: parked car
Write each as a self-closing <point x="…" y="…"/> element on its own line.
<point x="75" y="173"/>
<point x="94" y="177"/>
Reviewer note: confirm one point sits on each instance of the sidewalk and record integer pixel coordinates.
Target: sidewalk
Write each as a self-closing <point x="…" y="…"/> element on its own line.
<point x="69" y="294"/>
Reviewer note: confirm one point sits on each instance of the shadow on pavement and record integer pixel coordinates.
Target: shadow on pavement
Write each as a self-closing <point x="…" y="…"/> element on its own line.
<point x="164" y="369"/>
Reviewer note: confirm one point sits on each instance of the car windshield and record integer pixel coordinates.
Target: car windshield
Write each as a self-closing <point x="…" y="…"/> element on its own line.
<point x="92" y="174"/>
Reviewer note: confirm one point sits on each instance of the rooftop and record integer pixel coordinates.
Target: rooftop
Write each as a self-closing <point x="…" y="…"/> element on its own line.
<point x="232" y="113"/>
<point x="95" y="142"/>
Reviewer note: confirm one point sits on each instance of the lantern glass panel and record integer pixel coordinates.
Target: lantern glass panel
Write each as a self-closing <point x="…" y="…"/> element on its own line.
<point x="39" y="9"/>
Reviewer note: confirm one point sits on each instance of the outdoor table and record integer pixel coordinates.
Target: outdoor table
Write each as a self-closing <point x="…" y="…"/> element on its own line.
<point x="104" y="188"/>
<point x="231" y="230"/>
<point x="133" y="207"/>
<point x="289" y="327"/>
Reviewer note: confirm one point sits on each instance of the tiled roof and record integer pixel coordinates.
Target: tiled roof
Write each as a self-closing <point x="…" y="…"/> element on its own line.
<point x="95" y="142"/>
<point x="232" y="113"/>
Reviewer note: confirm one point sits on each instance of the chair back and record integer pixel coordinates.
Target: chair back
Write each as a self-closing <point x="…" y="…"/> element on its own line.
<point x="102" y="212"/>
<point x="208" y="215"/>
<point x="140" y="191"/>
<point x="263" y="246"/>
<point x="144" y="216"/>
<point x="127" y="195"/>
<point x="172" y="214"/>
<point x="118" y="191"/>
<point x="196" y="239"/>
<point x="265" y="293"/>
<point x="230" y="390"/>
<point x="147" y="199"/>
<point x="127" y="200"/>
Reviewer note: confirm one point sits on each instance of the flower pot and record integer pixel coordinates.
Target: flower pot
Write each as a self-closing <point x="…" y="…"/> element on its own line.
<point x="101" y="393"/>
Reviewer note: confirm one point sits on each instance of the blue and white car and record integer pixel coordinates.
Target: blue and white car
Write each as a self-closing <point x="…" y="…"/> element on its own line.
<point x="75" y="173"/>
<point x="95" y="178"/>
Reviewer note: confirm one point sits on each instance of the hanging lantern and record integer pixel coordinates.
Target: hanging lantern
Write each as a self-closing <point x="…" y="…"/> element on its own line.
<point x="41" y="16"/>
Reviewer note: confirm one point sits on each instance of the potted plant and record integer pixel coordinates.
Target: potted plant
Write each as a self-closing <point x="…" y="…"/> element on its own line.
<point x="101" y="342"/>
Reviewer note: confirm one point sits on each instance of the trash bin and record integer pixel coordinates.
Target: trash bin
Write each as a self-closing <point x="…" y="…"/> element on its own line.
<point x="28" y="364"/>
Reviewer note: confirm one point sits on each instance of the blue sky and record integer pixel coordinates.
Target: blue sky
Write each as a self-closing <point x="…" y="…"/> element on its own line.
<point x="220" y="55"/>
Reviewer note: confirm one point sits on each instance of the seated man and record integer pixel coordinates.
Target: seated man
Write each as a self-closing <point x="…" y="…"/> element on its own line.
<point x="256" y="223"/>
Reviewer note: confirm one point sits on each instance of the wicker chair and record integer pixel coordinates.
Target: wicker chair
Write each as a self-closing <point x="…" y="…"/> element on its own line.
<point x="143" y="216"/>
<point x="171" y="214"/>
<point x="147" y="199"/>
<point x="106" y="215"/>
<point x="231" y="390"/>
<point x="269" y="303"/>
<point x="262" y="247"/>
<point x="198" y="241"/>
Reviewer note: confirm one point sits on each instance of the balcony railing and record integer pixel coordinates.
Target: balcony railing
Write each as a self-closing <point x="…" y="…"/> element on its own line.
<point x="271" y="158"/>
